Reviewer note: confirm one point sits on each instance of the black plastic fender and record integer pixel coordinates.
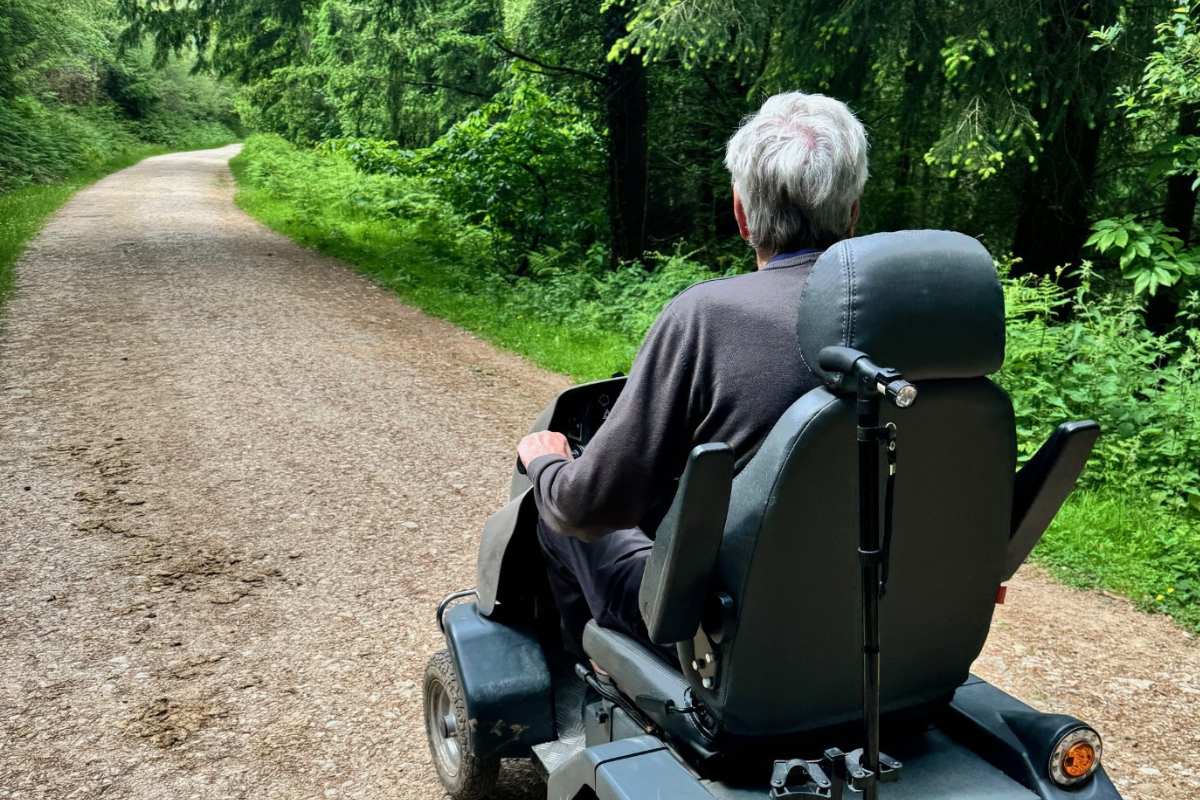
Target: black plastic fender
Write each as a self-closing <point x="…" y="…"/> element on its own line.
<point x="505" y="681"/>
<point x="1017" y="739"/>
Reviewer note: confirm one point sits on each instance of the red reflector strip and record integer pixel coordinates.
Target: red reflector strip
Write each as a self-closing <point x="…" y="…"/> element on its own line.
<point x="1001" y="594"/>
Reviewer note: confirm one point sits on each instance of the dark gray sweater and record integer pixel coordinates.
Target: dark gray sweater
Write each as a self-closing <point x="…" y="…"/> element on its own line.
<point x="721" y="364"/>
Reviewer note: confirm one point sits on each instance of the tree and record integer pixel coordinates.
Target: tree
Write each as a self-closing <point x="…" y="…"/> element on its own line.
<point x="617" y="85"/>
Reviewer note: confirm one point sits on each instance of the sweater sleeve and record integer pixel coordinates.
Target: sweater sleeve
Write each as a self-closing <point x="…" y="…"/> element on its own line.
<point x="631" y="464"/>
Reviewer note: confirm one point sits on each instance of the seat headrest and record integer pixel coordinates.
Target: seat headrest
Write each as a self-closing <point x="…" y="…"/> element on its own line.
<point x="925" y="302"/>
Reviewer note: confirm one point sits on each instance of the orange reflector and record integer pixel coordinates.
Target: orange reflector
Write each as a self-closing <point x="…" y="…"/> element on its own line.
<point x="1078" y="759"/>
<point x="1001" y="595"/>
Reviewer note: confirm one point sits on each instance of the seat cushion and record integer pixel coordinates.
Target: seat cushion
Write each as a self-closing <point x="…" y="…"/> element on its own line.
<point x="638" y="672"/>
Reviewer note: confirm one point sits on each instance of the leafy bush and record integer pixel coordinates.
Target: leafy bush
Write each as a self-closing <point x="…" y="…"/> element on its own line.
<point x="564" y="289"/>
<point x="290" y="102"/>
<point x="525" y="169"/>
<point x="1150" y="257"/>
<point x="1101" y="363"/>
<point x="41" y="142"/>
<point x="328" y="192"/>
<point x="370" y="156"/>
<point x="71" y="100"/>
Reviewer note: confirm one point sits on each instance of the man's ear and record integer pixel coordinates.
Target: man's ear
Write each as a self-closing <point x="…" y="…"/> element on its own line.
<point x="739" y="213"/>
<point x="854" y="209"/>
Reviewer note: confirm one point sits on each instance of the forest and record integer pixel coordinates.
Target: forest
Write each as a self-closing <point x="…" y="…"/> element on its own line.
<point x="75" y="105"/>
<point x="549" y="173"/>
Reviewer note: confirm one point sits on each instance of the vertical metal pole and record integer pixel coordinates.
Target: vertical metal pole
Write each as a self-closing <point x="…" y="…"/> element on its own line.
<point x="868" y="548"/>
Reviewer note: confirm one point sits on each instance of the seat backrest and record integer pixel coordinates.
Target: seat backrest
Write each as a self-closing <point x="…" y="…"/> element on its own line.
<point x="790" y="660"/>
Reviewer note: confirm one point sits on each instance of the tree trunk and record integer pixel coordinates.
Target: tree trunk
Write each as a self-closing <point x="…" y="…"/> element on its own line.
<point x="1179" y="213"/>
<point x="919" y="72"/>
<point x="1179" y="210"/>
<point x="627" y="111"/>
<point x="1052" y="223"/>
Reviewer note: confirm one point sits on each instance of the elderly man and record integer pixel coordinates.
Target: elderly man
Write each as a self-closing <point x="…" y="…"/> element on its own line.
<point x="721" y="364"/>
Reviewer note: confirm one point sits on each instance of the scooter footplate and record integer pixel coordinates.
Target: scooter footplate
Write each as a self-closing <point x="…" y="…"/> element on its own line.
<point x="570" y="694"/>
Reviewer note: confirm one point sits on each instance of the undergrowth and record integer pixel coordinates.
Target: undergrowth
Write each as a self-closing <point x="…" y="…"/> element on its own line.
<point x="1134" y="527"/>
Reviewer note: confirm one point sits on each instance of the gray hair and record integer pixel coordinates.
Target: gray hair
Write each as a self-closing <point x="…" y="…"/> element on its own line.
<point x="799" y="164"/>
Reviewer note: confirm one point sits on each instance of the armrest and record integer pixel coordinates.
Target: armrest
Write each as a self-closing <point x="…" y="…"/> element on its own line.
<point x="671" y="598"/>
<point x="1043" y="485"/>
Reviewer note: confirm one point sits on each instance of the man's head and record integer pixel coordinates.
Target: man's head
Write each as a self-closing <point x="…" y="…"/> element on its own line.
<point x="799" y="166"/>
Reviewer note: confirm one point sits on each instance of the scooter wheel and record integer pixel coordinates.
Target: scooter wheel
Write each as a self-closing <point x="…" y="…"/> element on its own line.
<point x="465" y="775"/>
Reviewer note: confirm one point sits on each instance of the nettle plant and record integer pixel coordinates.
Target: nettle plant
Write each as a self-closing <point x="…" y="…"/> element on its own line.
<point x="1149" y="254"/>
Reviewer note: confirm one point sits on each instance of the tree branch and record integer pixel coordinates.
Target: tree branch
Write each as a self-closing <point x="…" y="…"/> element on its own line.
<point x="450" y="87"/>
<point x="579" y="73"/>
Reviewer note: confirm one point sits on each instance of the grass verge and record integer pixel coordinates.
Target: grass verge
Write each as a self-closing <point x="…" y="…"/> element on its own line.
<point x="422" y="273"/>
<point x="1101" y="540"/>
<point x="23" y="211"/>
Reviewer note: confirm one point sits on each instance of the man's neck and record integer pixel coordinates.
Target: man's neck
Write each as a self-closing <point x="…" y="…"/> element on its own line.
<point x="766" y="259"/>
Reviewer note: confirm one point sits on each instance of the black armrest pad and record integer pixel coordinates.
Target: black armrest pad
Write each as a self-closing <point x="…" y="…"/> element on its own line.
<point x="686" y="545"/>
<point x="1043" y="485"/>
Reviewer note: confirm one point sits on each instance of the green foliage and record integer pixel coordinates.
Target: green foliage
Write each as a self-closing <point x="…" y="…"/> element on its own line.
<point x="1163" y="109"/>
<point x="373" y="69"/>
<point x="370" y="156"/>
<point x="48" y="39"/>
<point x="1101" y="363"/>
<point x="1171" y="77"/>
<point x="316" y="186"/>
<point x="71" y="102"/>
<point x="245" y="38"/>
<point x="1114" y="540"/>
<point x="700" y="32"/>
<point x="435" y="259"/>
<point x="570" y="291"/>
<point x="522" y="168"/>
<point x="1149" y="256"/>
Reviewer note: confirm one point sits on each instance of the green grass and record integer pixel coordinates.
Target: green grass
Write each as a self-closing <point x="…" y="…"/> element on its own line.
<point x="24" y="211"/>
<point x="1104" y="541"/>
<point x="420" y="272"/>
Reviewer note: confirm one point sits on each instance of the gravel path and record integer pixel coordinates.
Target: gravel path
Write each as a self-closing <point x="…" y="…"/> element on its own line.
<point x="236" y="477"/>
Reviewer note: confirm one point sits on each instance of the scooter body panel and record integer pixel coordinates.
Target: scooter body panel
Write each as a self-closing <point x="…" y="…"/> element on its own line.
<point x="505" y="680"/>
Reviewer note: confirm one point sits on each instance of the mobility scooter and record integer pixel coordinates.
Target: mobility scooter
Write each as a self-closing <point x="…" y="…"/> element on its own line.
<point x="825" y="598"/>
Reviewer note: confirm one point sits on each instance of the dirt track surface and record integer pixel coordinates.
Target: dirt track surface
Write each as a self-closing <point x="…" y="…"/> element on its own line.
<point x="235" y="478"/>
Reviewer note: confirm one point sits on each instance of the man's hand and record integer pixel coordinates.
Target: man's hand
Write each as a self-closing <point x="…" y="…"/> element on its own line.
<point x="543" y="443"/>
